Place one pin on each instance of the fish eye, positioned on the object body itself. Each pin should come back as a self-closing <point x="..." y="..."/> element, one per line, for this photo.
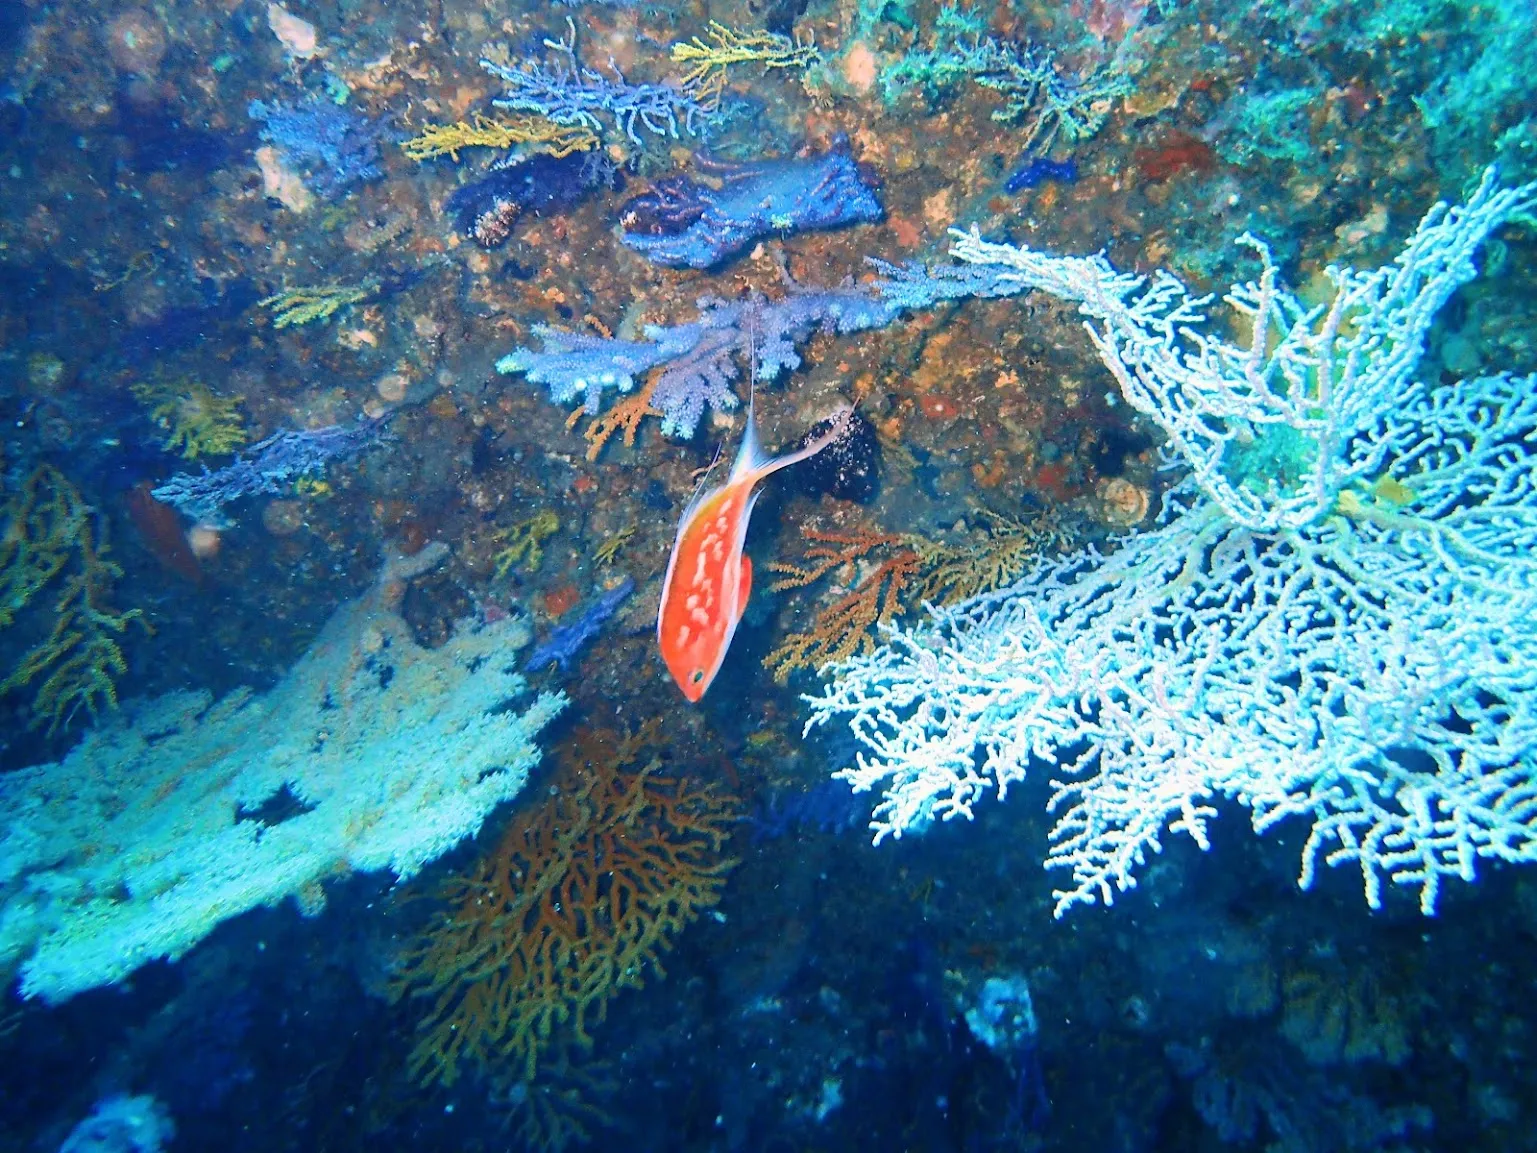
<point x="696" y="676"/>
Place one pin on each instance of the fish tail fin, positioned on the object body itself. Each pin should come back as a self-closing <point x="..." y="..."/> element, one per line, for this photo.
<point x="751" y="457"/>
<point x="754" y="459"/>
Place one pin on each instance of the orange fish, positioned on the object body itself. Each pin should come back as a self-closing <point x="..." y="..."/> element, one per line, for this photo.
<point x="708" y="577"/>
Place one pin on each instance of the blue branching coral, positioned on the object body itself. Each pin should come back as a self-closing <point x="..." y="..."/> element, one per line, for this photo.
<point x="563" y="645"/>
<point x="912" y="285"/>
<point x="270" y="466"/>
<point x="685" y="224"/>
<point x="568" y="92"/>
<point x="332" y="147"/>
<point x="698" y="359"/>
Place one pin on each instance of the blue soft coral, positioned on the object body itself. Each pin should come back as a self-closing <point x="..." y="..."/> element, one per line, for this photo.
<point x="685" y="224"/>
<point x="334" y="147"/>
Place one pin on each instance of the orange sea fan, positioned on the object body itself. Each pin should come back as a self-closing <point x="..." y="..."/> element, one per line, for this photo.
<point x="578" y="900"/>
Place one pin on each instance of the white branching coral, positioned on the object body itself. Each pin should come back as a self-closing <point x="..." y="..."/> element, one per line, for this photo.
<point x="1350" y="639"/>
<point x="181" y="812"/>
<point x="1264" y="425"/>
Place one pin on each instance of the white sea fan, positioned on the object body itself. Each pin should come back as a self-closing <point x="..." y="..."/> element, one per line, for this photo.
<point x="1353" y="642"/>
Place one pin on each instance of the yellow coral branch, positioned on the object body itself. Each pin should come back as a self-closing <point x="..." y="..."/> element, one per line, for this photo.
<point x="537" y="133"/>
<point x="705" y="78"/>
<point x="79" y="662"/>
<point x="524" y="542"/>
<point x="606" y="552"/>
<point x="48" y="528"/>
<point x="39" y="528"/>
<point x="197" y="422"/>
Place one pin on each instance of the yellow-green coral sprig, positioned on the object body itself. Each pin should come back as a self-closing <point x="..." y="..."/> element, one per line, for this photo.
<point x="608" y="551"/>
<point x="524" y="543"/>
<point x="953" y="572"/>
<point x="50" y="530"/>
<point x="196" y="421"/>
<point x="535" y="133"/>
<point x="708" y="62"/>
<point x="41" y="525"/>
<point x="80" y="660"/>
<point x="295" y="306"/>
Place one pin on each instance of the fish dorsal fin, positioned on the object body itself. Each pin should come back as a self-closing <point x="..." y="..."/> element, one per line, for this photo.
<point x="702" y="491"/>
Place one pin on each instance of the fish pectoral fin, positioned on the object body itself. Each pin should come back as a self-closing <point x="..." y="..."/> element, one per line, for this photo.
<point x="744" y="590"/>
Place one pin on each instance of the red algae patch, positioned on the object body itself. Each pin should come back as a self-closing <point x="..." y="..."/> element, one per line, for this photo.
<point x="559" y="601"/>
<point x="939" y="408"/>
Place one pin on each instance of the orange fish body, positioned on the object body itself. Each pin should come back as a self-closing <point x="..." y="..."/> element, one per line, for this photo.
<point x="709" y="578"/>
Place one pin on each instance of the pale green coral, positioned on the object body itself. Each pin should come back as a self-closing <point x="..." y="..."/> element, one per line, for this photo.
<point x="1466" y="64"/>
<point x="1054" y="105"/>
<point x="295" y="306"/>
<point x="1484" y="87"/>
<point x="1271" y="125"/>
